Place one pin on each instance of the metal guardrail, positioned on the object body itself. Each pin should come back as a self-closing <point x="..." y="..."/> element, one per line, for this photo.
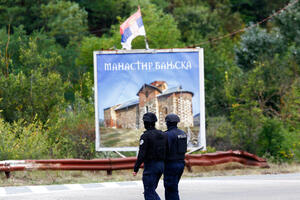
<point x="110" y="164"/>
<point x="210" y="159"/>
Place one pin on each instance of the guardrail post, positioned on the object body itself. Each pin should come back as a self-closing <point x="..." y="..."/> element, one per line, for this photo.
<point x="188" y="164"/>
<point x="7" y="174"/>
<point x="109" y="172"/>
<point x="189" y="168"/>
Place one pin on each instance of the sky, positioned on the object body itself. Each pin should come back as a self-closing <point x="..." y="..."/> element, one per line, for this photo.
<point x="119" y="84"/>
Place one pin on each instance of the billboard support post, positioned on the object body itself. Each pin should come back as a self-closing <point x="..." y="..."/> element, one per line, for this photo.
<point x="202" y="134"/>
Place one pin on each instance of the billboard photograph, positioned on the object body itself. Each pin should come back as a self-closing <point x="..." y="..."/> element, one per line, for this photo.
<point x="129" y="84"/>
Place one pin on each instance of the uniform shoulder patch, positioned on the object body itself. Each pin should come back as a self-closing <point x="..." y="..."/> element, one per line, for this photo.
<point x="141" y="142"/>
<point x="181" y="136"/>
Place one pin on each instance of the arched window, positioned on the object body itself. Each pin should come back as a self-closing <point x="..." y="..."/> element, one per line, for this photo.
<point x="147" y="94"/>
<point x="165" y="110"/>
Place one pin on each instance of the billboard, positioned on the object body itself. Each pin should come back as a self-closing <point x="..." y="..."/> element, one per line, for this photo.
<point x="130" y="83"/>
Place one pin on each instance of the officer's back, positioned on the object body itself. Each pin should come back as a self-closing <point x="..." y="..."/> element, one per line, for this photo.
<point x="155" y="145"/>
<point x="177" y="144"/>
<point x="152" y="152"/>
<point x="174" y="164"/>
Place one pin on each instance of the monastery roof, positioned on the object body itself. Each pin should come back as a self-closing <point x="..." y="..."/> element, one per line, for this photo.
<point x="129" y="103"/>
<point x="151" y="86"/>
<point x="135" y="101"/>
<point x="176" y="89"/>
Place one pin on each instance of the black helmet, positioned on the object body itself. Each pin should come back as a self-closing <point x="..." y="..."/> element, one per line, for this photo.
<point x="172" y="118"/>
<point x="149" y="117"/>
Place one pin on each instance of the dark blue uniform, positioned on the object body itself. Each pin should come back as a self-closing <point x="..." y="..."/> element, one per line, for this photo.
<point x="152" y="153"/>
<point x="174" y="164"/>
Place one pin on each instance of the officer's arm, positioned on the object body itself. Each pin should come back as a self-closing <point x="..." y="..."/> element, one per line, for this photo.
<point x="142" y="153"/>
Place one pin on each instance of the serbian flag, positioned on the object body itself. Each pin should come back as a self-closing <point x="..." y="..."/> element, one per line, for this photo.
<point x="132" y="28"/>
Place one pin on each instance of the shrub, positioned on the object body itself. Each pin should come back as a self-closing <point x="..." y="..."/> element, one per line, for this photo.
<point x="72" y="131"/>
<point x="22" y="140"/>
<point x="219" y="132"/>
<point x="275" y="142"/>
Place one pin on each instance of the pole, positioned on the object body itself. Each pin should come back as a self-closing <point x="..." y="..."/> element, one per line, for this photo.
<point x="146" y="43"/>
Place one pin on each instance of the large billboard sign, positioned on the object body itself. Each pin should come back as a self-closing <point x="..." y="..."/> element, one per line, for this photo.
<point x="130" y="83"/>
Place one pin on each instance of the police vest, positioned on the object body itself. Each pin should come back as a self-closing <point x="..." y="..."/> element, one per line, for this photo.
<point x="177" y="144"/>
<point x="157" y="148"/>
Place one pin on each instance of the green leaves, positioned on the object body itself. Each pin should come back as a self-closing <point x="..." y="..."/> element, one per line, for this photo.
<point x="33" y="58"/>
<point x="27" y="97"/>
<point x="265" y="109"/>
<point x="159" y="27"/>
<point x="65" y="21"/>
<point x="22" y="140"/>
<point x="258" y="45"/>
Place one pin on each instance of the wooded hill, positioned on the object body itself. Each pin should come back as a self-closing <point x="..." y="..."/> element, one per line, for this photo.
<point x="251" y="78"/>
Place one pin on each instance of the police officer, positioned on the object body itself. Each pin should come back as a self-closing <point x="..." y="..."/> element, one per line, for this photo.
<point x="174" y="164"/>
<point x="152" y="152"/>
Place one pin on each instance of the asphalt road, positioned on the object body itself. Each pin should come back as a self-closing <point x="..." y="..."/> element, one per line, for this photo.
<point x="260" y="187"/>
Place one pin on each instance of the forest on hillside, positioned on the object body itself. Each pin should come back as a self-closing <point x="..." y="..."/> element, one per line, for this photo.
<point x="252" y="82"/>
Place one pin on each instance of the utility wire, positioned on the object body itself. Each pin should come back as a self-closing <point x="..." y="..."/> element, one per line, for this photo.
<point x="209" y="40"/>
<point x="247" y="28"/>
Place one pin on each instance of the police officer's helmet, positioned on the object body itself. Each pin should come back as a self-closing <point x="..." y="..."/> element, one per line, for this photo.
<point x="172" y="118"/>
<point x="149" y="117"/>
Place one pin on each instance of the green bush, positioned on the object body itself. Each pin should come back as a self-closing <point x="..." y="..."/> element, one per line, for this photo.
<point x="72" y="131"/>
<point x="275" y="142"/>
<point x="218" y="133"/>
<point x="29" y="97"/>
<point x="22" y="140"/>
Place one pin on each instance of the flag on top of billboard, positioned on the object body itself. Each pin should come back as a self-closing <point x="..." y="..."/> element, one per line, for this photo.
<point x="132" y="28"/>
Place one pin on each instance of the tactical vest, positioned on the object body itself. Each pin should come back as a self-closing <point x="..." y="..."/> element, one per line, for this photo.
<point x="157" y="145"/>
<point x="178" y="145"/>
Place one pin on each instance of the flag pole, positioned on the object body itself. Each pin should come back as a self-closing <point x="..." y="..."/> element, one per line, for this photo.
<point x="146" y="42"/>
<point x="145" y="37"/>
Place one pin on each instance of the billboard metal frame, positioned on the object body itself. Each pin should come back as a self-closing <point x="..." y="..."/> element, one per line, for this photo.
<point x="201" y="136"/>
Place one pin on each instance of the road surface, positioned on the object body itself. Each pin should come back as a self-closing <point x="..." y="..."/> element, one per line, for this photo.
<point x="258" y="187"/>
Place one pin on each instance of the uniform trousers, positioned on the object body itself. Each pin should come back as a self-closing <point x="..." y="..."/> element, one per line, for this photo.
<point x="172" y="174"/>
<point x="153" y="170"/>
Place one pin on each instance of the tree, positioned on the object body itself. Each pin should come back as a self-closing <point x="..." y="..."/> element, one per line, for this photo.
<point x="10" y="44"/>
<point x="22" y="12"/>
<point x="289" y="23"/>
<point x="22" y="140"/>
<point x="219" y="62"/>
<point x="158" y="25"/>
<point x="198" y="21"/>
<point x="103" y="14"/>
<point x="35" y="96"/>
<point x="256" y="10"/>
<point x="266" y="85"/>
<point x="64" y="20"/>
<point x="247" y="120"/>
<point x="271" y="139"/>
<point x="258" y="45"/>
<point x="35" y="56"/>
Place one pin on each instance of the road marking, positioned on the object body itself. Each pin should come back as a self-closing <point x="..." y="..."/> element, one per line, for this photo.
<point x="38" y="189"/>
<point x="17" y="190"/>
<point x="110" y="184"/>
<point x="2" y="191"/>
<point x="23" y="190"/>
<point x="74" y="186"/>
<point x="56" y="187"/>
<point x="241" y="181"/>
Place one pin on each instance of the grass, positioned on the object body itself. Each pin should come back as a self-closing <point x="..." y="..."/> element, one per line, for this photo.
<point x="119" y="137"/>
<point x="81" y="177"/>
<point x="112" y="137"/>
